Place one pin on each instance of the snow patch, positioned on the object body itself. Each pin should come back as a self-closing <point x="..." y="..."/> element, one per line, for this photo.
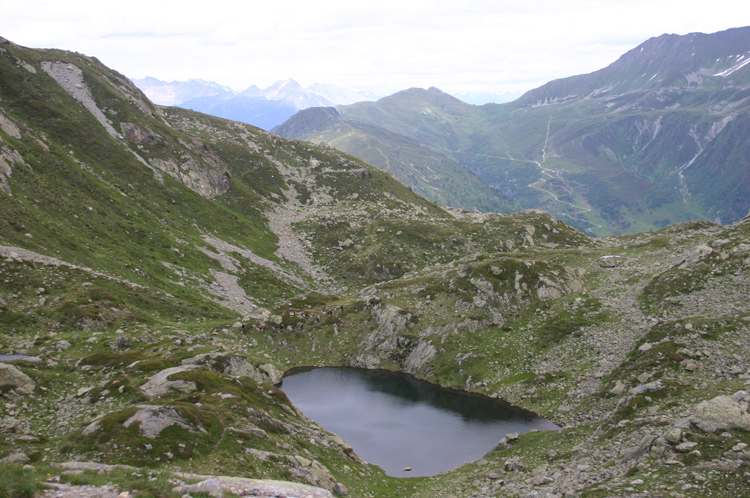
<point x="734" y="68"/>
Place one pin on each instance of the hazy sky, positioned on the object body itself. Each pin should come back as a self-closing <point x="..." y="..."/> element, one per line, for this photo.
<point x="383" y="46"/>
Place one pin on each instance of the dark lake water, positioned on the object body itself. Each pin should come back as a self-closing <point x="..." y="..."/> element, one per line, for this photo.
<point x="395" y="421"/>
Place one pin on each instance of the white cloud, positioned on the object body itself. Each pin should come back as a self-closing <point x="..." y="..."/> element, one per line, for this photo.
<point x="471" y="45"/>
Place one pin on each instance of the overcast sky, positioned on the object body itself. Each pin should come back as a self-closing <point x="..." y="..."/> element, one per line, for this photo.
<point x="383" y="46"/>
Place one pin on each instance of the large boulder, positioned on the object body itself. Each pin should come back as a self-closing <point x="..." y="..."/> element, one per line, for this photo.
<point x="15" y="459"/>
<point x="723" y="412"/>
<point x="422" y="354"/>
<point x="154" y="419"/>
<point x="159" y="384"/>
<point x="274" y="373"/>
<point x="10" y="375"/>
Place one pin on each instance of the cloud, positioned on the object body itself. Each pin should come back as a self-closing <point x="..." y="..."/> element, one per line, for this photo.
<point x="385" y="46"/>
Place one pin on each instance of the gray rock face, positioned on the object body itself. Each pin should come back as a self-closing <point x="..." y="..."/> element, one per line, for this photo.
<point x="382" y="343"/>
<point x="237" y="366"/>
<point x="159" y="384"/>
<point x="10" y="375"/>
<point x="198" y="177"/>
<point x="369" y="361"/>
<point x="154" y="419"/>
<point x="274" y="374"/>
<point x="424" y="353"/>
<point x="722" y="412"/>
<point x="137" y="136"/>
<point x="312" y="471"/>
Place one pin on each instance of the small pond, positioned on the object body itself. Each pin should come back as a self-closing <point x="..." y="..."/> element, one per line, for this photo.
<point x="396" y="421"/>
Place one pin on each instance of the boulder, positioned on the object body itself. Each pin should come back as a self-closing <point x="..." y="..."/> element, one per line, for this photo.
<point x="673" y="435"/>
<point x="10" y="375"/>
<point x="685" y="447"/>
<point x="722" y="412"/>
<point x="8" y="126"/>
<point x="424" y="353"/>
<point x="340" y="489"/>
<point x="312" y="471"/>
<point x="15" y="459"/>
<point x="63" y="345"/>
<point x="159" y="384"/>
<point x="10" y="425"/>
<point x="514" y="465"/>
<point x="274" y="374"/>
<point x="362" y="173"/>
<point x="369" y="361"/>
<point x="619" y="388"/>
<point x="154" y="419"/>
<point x="122" y="341"/>
<point x="137" y="136"/>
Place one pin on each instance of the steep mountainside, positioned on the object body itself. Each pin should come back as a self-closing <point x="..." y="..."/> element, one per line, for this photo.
<point x="143" y="248"/>
<point x="653" y="139"/>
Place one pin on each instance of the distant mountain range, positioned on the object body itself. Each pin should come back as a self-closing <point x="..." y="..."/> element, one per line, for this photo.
<point x="269" y="107"/>
<point x="657" y="137"/>
<point x="264" y="108"/>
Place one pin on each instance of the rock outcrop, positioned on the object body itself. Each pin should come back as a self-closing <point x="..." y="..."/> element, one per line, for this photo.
<point x="723" y="412"/>
<point x="159" y="384"/>
<point x="21" y="383"/>
<point x="198" y="177"/>
<point x="423" y="354"/>
<point x="154" y="419"/>
<point x="137" y="136"/>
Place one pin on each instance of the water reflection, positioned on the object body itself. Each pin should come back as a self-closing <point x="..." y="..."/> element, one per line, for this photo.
<point x="396" y="421"/>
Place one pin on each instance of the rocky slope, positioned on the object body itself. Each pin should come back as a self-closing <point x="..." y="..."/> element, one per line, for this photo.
<point x="144" y="247"/>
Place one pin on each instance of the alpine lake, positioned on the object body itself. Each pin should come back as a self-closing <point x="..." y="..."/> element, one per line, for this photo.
<point x="396" y="421"/>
